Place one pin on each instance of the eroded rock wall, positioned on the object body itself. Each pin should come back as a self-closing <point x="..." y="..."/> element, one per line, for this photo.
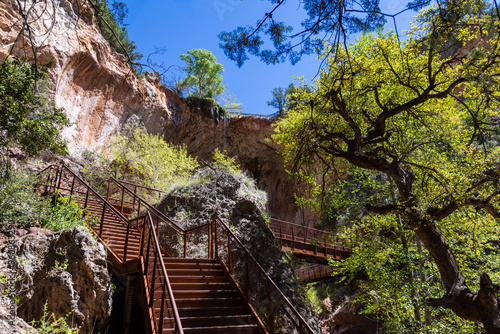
<point x="94" y="85"/>
<point x="100" y="94"/>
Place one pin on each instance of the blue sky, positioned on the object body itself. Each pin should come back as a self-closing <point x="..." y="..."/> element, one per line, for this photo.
<point x="181" y="25"/>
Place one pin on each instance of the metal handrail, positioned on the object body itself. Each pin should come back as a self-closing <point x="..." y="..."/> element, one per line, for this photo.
<point x="248" y="257"/>
<point x="323" y="235"/>
<point x="149" y="206"/>
<point x="177" y="318"/>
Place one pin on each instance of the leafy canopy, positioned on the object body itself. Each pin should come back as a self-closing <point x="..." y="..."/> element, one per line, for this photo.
<point x="137" y="156"/>
<point x="28" y="118"/>
<point x="335" y="19"/>
<point x="417" y="116"/>
<point x="204" y="77"/>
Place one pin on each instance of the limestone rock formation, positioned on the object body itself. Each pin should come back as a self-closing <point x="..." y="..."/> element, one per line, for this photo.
<point x="68" y="271"/>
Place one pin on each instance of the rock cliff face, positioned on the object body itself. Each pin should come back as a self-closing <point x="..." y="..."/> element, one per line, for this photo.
<point x="100" y="94"/>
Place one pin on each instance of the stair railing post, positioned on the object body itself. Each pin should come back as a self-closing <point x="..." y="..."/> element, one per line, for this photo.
<point x="293" y="239"/>
<point x="210" y="240"/>
<point x="148" y="250"/>
<point x="215" y="239"/>
<point x="107" y="192"/>
<point x="60" y="177"/>
<point x="126" y="242"/>
<point x="185" y="244"/>
<point x="72" y="185"/>
<point x="121" y="201"/>
<point x="86" y="198"/>
<point x="102" y="218"/>
<point x="141" y="247"/>
<point x="229" y="255"/>
<point x="305" y="235"/>
<point x="133" y="201"/>
<point x="162" y="308"/>
<point x="281" y="235"/>
<point x="152" y="293"/>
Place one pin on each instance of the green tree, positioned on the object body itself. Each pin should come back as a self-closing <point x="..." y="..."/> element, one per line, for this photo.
<point x="28" y="118"/>
<point x="203" y="73"/>
<point x="143" y="158"/>
<point x="286" y="99"/>
<point x="411" y="113"/>
<point x="110" y="20"/>
<point x="279" y="99"/>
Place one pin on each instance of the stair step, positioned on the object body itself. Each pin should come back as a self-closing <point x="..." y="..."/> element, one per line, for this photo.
<point x="217" y="320"/>
<point x="240" y="329"/>
<point x="200" y="285"/>
<point x="208" y="301"/>
<point x="214" y="310"/>
<point x="200" y="293"/>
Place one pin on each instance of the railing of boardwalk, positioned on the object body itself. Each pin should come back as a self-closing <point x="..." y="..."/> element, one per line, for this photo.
<point x="163" y="310"/>
<point x="276" y="312"/>
<point x="307" y="239"/>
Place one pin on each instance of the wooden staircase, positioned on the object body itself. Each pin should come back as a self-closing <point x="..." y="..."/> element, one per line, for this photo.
<point x="206" y="300"/>
<point x="183" y="295"/>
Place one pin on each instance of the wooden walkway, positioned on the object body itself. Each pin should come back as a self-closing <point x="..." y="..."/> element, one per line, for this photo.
<point x="223" y="291"/>
<point x="308" y="244"/>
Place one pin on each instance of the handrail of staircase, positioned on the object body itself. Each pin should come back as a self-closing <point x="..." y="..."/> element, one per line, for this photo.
<point x="141" y="186"/>
<point x="166" y="283"/>
<point x="273" y="290"/>
<point x="102" y="199"/>
<point x="149" y="206"/>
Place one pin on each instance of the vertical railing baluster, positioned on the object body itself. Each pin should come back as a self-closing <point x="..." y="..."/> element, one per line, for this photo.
<point x="126" y="243"/>
<point x="210" y="241"/>
<point x="72" y="185"/>
<point x="229" y="255"/>
<point x="162" y="308"/>
<point x="107" y="192"/>
<point x="148" y="249"/>
<point x="215" y="239"/>
<point x="185" y="244"/>
<point x="121" y="201"/>
<point x="102" y="218"/>
<point x="152" y="293"/>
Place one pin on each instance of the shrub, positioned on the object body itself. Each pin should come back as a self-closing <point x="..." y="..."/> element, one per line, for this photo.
<point x="19" y="203"/>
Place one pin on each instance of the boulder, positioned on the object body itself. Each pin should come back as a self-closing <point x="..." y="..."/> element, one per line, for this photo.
<point x="67" y="270"/>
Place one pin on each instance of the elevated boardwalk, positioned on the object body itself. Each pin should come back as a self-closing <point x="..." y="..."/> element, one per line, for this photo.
<point x="308" y="244"/>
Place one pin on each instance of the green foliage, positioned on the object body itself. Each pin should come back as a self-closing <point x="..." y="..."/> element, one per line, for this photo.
<point x="48" y="324"/>
<point x="137" y="156"/>
<point x="203" y="73"/>
<point x="390" y="140"/>
<point x="28" y="118"/>
<point x="65" y="214"/>
<point x="324" y="19"/>
<point x="19" y="203"/>
<point x="114" y="16"/>
<point x="398" y="280"/>
<point x="286" y="99"/>
<point x="222" y="160"/>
